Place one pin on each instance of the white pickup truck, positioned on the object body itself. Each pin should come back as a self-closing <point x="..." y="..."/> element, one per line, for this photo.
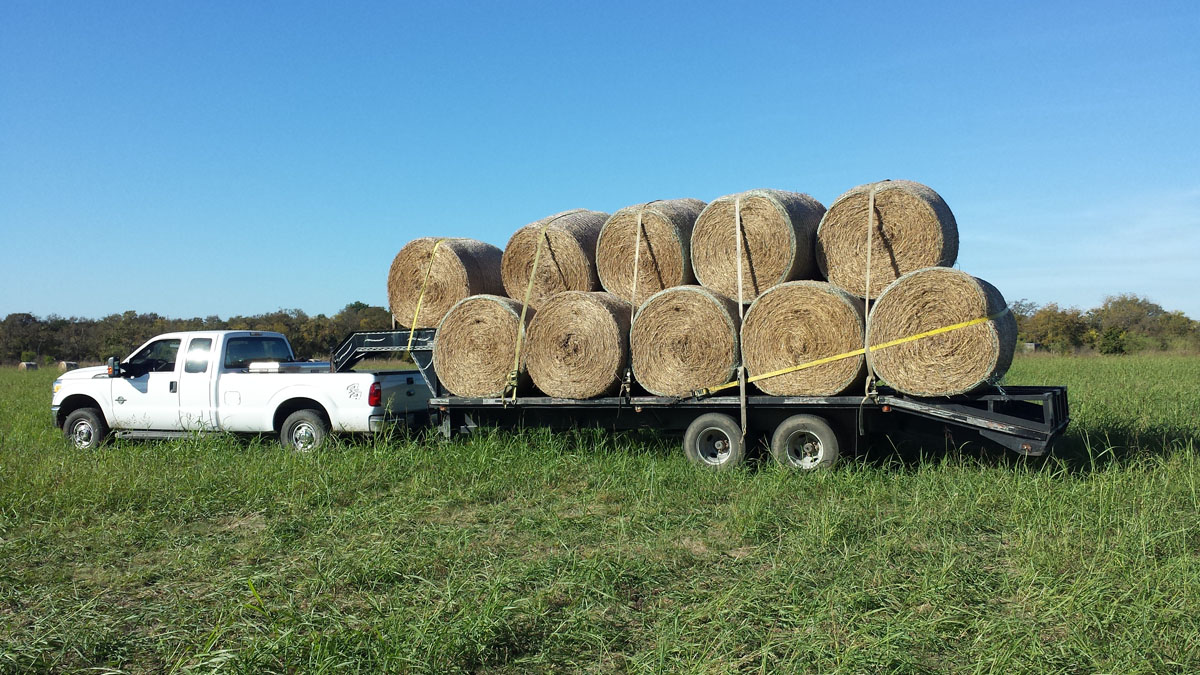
<point x="231" y="381"/>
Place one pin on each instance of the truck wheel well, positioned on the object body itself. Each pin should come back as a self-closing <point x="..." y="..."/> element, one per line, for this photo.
<point x="72" y="403"/>
<point x="292" y="405"/>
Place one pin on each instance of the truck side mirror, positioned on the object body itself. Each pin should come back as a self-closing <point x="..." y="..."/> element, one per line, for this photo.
<point x="114" y="367"/>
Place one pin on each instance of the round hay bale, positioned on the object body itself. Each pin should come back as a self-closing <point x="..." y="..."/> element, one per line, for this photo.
<point x="476" y="343"/>
<point x="913" y="229"/>
<point x="683" y="339"/>
<point x="661" y="250"/>
<point x="27" y="365"/>
<point x="64" y="366"/>
<point x="578" y="344"/>
<point x="954" y="362"/>
<point x="798" y="322"/>
<point x="460" y="268"/>
<point x="567" y="261"/>
<point x="777" y="241"/>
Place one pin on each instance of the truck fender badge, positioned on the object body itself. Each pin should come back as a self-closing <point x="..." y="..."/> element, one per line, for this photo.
<point x="121" y="400"/>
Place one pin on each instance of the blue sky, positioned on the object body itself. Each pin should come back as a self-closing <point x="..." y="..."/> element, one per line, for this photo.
<point x="236" y="158"/>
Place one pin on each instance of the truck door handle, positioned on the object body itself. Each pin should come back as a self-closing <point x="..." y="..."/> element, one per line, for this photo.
<point x="174" y="387"/>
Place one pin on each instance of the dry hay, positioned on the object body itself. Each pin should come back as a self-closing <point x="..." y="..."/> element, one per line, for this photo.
<point x="460" y="268"/>
<point x="913" y="229"/>
<point x="578" y="344"/>
<point x="685" y="338"/>
<point x="64" y="366"/>
<point x="949" y="363"/>
<point x="27" y="365"/>
<point x="567" y="261"/>
<point x="778" y="229"/>
<point x="476" y="344"/>
<point x="661" y="251"/>
<point x="798" y="322"/>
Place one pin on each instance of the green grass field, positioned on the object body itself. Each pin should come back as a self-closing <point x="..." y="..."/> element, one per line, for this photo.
<point x="596" y="552"/>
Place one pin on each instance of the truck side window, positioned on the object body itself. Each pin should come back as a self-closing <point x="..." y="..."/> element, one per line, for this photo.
<point x="240" y="352"/>
<point x="197" y="355"/>
<point x="157" y="357"/>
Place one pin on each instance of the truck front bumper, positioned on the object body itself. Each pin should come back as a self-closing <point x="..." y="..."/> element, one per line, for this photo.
<point x="54" y="414"/>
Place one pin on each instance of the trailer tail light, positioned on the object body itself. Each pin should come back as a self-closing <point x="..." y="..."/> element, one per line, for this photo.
<point x="375" y="396"/>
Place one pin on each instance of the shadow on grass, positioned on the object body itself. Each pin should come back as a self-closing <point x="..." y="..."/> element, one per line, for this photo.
<point x="1080" y="450"/>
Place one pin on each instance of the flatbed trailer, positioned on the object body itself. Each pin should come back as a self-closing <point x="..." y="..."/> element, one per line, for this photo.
<point x="804" y="432"/>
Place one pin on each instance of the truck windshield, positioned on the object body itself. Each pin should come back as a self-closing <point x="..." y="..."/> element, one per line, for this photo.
<point x="240" y="352"/>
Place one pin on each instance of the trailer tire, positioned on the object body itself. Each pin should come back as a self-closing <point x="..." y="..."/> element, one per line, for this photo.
<point x="714" y="441"/>
<point x="805" y="442"/>
<point x="85" y="428"/>
<point x="304" y="431"/>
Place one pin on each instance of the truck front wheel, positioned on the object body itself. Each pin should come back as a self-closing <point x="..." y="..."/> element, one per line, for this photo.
<point x="85" y="428"/>
<point x="304" y="431"/>
<point x="714" y="441"/>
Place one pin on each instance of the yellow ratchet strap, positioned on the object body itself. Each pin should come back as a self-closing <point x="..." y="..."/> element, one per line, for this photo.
<point x="857" y="352"/>
<point x="421" y="298"/>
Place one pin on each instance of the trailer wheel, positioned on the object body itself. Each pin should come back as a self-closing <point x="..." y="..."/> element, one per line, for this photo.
<point x="304" y="431"/>
<point x="805" y="442"/>
<point x="85" y="428"/>
<point x="714" y="441"/>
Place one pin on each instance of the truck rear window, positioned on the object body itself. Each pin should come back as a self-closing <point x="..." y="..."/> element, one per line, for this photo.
<point x="240" y="352"/>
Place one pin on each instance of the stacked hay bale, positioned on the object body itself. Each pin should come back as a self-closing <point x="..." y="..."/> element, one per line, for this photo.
<point x="564" y="248"/>
<point x="776" y="230"/>
<point x="912" y="228"/>
<point x="678" y="337"/>
<point x="435" y="273"/>
<point x="952" y="362"/>
<point x="645" y="248"/>
<point x="683" y="339"/>
<point x="475" y="347"/>
<point x="578" y="344"/>
<point x="801" y="322"/>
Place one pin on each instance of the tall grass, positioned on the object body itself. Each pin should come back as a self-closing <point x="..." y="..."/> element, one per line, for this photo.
<point x="599" y="552"/>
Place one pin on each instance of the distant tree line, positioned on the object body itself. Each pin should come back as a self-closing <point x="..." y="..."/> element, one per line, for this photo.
<point x="1124" y="324"/>
<point x="25" y="337"/>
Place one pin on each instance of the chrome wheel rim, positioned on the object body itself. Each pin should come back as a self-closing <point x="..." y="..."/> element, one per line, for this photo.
<point x="804" y="450"/>
<point x="304" y="437"/>
<point x="713" y="446"/>
<point x="82" y="434"/>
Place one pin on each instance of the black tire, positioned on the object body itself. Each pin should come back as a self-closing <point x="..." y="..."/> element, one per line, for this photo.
<point x="304" y="431"/>
<point x="85" y="429"/>
<point x="805" y="442"/>
<point x="714" y="441"/>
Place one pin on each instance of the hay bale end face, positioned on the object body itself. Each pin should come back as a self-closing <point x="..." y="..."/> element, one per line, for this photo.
<point x="578" y="344"/>
<point x="949" y="363"/>
<point x="683" y="339"/>
<point x="778" y="228"/>
<point x="799" y="322"/>
<point x="661" y="249"/>
<point x="476" y="344"/>
<point x="459" y="268"/>
<point x="567" y="261"/>
<point x="914" y="229"/>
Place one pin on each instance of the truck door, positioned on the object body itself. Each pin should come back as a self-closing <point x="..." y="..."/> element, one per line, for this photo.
<point x="196" y="386"/>
<point x="149" y="399"/>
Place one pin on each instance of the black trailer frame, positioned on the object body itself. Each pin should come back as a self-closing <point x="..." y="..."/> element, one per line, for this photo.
<point x="1024" y="419"/>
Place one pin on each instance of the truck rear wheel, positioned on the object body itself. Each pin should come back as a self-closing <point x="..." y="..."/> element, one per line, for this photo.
<point x="85" y="428"/>
<point x="805" y="442"/>
<point x="714" y="441"/>
<point x="304" y="431"/>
